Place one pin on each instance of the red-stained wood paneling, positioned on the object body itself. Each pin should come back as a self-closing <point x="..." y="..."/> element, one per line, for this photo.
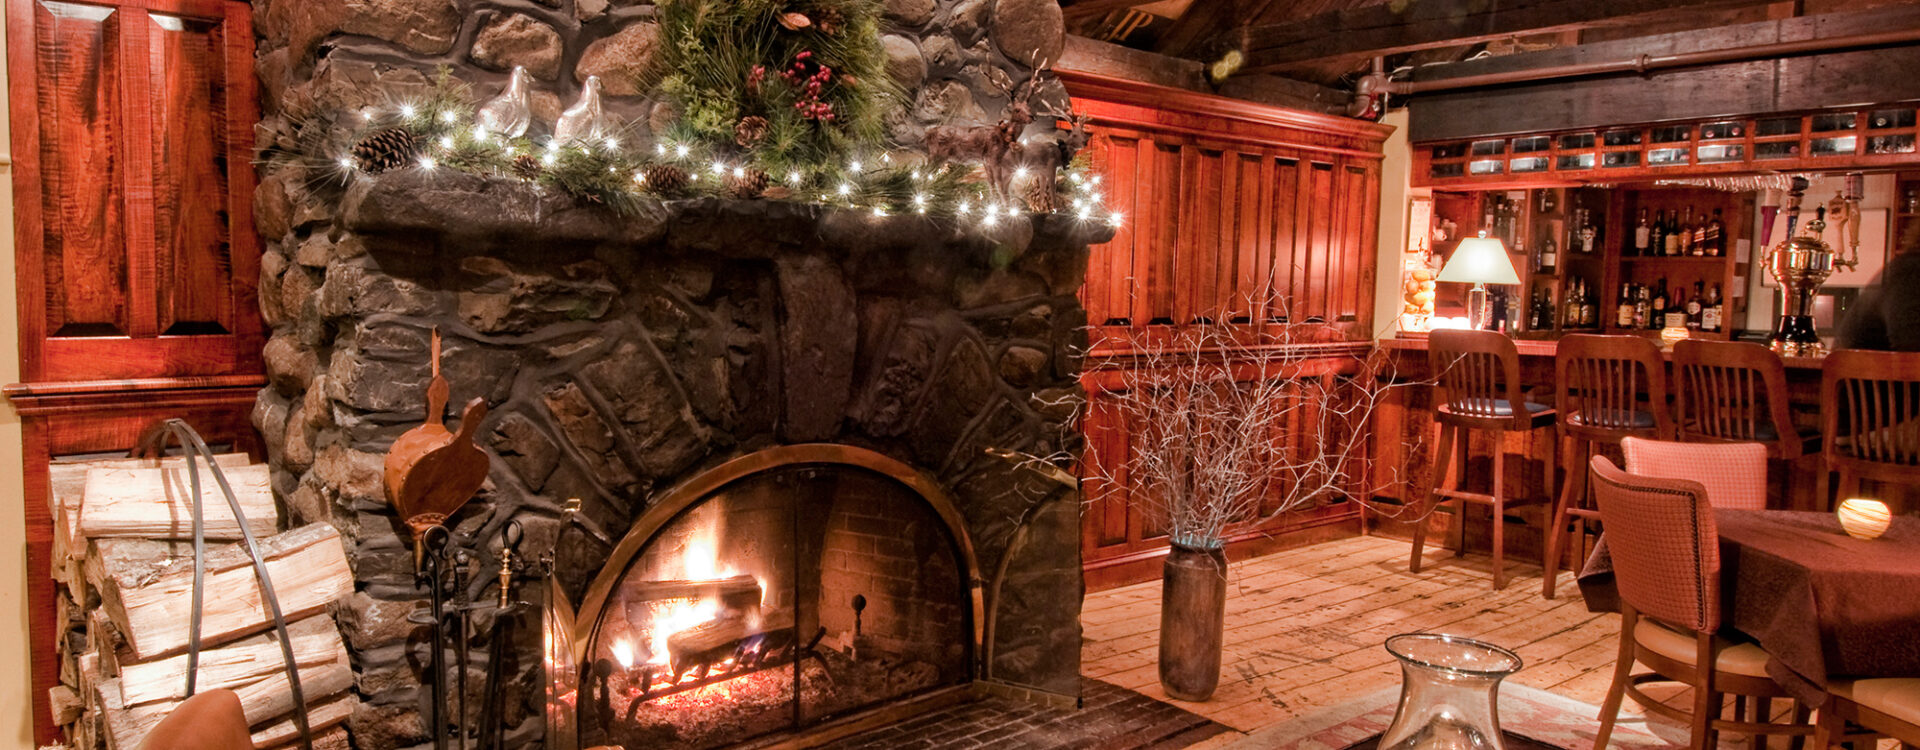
<point x="1233" y="211"/>
<point x="135" y="253"/>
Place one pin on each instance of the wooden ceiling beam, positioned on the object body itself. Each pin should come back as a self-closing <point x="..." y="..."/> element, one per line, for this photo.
<point x="1079" y="10"/>
<point x="1372" y="30"/>
<point x="1199" y="30"/>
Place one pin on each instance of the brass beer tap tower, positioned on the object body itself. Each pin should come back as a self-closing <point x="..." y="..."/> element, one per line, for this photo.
<point x="1801" y="264"/>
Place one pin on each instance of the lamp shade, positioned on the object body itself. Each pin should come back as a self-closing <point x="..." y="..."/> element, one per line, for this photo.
<point x="1479" y="260"/>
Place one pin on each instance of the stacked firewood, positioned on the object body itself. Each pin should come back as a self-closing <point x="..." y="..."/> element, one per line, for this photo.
<point x="123" y="568"/>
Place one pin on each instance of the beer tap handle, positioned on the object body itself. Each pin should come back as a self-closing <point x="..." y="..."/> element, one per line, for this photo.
<point x="1793" y="204"/>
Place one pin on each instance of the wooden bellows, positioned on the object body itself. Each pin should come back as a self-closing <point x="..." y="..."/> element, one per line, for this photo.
<point x="431" y="471"/>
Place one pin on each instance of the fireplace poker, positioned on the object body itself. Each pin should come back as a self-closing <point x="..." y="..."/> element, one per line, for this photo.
<point x="495" y="736"/>
<point x="433" y="543"/>
<point x="463" y="568"/>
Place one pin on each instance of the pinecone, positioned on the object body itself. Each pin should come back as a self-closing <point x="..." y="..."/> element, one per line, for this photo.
<point x="829" y="21"/>
<point x="750" y="184"/>
<point x="665" y="178"/>
<point x="1043" y="196"/>
<point x="749" y="131"/>
<point x="382" y="150"/>
<point x="526" y="167"/>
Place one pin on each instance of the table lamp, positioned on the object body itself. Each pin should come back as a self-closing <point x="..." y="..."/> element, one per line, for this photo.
<point x="1479" y="261"/>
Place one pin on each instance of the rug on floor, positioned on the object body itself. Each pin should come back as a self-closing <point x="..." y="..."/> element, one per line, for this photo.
<point x="1110" y="717"/>
<point x="1529" y="712"/>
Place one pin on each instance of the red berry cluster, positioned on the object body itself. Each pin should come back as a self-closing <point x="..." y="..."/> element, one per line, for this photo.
<point x="755" y="77"/>
<point x="810" y="78"/>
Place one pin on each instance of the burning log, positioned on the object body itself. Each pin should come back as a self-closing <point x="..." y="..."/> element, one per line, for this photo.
<point x="698" y="648"/>
<point x="737" y="592"/>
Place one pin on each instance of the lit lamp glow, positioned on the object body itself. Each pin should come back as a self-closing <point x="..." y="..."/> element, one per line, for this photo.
<point x="1479" y="261"/>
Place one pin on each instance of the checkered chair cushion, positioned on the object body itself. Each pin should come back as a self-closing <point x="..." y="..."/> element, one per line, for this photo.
<point x="1735" y="474"/>
<point x="1664" y="547"/>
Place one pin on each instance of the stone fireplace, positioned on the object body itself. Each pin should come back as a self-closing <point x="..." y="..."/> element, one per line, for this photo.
<point x="792" y="429"/>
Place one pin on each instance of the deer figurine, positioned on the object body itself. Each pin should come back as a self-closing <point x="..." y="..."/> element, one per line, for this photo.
<point x="994" y="147"/>
<point x="1045" y="157"/>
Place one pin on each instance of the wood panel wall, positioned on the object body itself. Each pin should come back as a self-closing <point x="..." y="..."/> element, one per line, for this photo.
<point x="135" y="254"/>
<point x="1233" y="212"/>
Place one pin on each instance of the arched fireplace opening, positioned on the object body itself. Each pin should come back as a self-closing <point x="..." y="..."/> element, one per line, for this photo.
<point x="776" y="592"/>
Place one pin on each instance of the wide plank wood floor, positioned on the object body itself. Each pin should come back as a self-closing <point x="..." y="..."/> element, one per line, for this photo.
<point x="1305" y="628"/>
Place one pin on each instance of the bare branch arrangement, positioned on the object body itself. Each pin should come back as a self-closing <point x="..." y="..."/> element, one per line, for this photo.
<point x="1231" y="425"/>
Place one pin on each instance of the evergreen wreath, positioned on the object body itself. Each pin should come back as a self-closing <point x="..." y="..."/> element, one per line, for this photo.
<point x="789" y="83"/>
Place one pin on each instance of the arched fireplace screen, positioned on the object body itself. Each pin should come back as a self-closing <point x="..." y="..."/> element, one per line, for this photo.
<point x="775" y="592"/>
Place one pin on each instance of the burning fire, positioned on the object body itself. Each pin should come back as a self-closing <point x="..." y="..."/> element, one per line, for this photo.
<point x="699" y="560"/>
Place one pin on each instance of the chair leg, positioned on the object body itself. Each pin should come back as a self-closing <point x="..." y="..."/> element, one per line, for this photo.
<point x="1557" y="532"/>
<point x="1549" y="482"/>
<point x="1706" y="700"/>
<point x="1424" y="515"/>
<point x="1825" y="728"/>
<point x="1622" y="672"/>
<point x="1499" y="511"/>
<point x="1462" y="451"/>
<point x="1801" y="712"/>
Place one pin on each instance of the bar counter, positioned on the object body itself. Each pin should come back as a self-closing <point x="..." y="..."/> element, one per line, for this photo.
<point x="1404" y="430"/>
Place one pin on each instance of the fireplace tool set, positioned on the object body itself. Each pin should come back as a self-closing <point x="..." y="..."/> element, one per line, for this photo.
<point x="430" y="472"/>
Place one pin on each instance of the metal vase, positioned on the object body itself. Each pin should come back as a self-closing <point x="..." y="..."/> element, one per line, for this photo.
<point x="1193" y="613"/>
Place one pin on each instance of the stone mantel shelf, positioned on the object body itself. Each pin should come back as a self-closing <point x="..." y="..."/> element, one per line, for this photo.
<point x="467" y="208"/>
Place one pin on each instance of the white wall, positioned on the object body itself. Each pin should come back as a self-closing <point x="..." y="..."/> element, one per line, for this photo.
<point x="1396" y="174"/>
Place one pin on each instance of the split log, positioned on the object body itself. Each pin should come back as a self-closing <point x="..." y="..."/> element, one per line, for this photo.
<point x="320" y="718"/>
<point x="146" y="587"/>
<point x="265" y="699"/>
<point x="65" y="704"/>
<point x="332" y="739"/>
<point x="157" y="503"/>
<point x="68" y="482"/>
<point x="316" y="642"/>
<point x="724" y="589"/>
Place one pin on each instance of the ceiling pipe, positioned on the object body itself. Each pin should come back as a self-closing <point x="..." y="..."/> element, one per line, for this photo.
<point x="1645" y="63"/>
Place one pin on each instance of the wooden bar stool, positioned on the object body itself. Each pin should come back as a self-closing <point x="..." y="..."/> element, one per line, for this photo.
<point x="1478" y="373"/>
<point x="1610" y="388"/>
<point x="1870" y="419"/>
<point x="1735" y="392"/>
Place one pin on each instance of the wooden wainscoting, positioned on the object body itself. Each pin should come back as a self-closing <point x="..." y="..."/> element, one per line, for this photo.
<point x="136" y="259"/>
<point x="1234" y="212"/>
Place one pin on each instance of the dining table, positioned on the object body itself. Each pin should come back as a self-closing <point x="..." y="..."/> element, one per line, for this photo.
<point x="1824" y="605"/>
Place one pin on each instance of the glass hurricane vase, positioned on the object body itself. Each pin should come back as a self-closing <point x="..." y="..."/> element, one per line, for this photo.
<point x="1449" y="693"/>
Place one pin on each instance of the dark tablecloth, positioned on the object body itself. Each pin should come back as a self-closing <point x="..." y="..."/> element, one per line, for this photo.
<point x="1822" y="603"/>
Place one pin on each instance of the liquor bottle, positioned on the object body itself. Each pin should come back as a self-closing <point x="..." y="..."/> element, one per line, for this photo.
<point x="1654" y="316"/>
<point x="1686" y="233"/>
<point x="1676" y="316"/>
<point x="1700" y="234"/>
<point x="1697" y="308"/>
<point x="1589" y="309"/>
<point x="1642" y="306"/>
<point x="1623" y="313"/>
<point x="1658" y="246"/>
<point x="1549" y="256"/>
<point x="1673" y="233"/>
<point x="1641" y="234"/>
<point x="1571" y="319"/>
<point x="1547" y="203"/>
<point x="1711" y="319"/>
<point x="1716" y="235"/>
